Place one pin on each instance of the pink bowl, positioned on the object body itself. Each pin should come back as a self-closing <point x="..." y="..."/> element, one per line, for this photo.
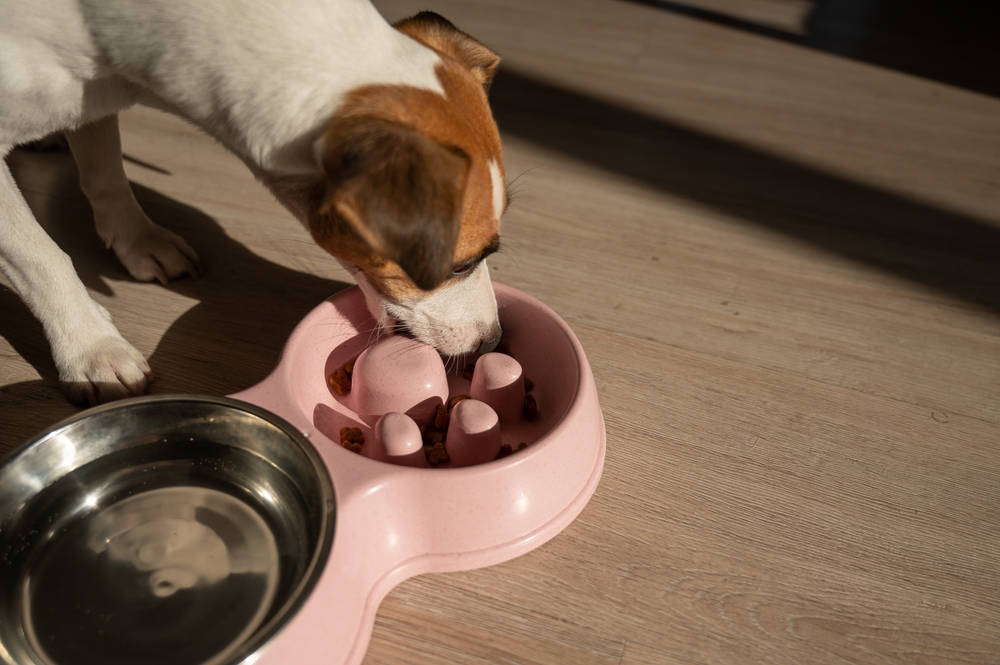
<point x="397" y="441"/>
<point x="499" y="381"/>
<point x="396" y="521"/>
<point x="398" y="374"/>
<point x="474" y="435"/>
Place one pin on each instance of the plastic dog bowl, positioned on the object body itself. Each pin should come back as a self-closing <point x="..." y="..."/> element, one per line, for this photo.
<point x="393" y="520"/>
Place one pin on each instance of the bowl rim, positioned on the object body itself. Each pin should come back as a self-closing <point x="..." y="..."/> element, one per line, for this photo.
<point x="266" y="634"/>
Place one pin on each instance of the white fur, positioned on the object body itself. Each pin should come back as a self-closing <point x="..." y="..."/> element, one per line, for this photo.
<point x="456" y="320"/>
<point x="261" y="77"/>
<point x="498" y="189"/>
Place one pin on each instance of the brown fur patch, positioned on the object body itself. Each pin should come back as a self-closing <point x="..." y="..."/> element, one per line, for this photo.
<point x="457" y="124"/>
<point x="438" y="33"/>
<point x="401" y="192"/>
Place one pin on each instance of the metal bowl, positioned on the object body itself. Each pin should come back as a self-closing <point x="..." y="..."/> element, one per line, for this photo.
<point x="165" y="530"/>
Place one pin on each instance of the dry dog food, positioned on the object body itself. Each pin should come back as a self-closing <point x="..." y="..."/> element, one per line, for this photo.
<point x="437" y="433"/>
<point x="530" y="407"/>
<point x="436" y="454"/>
<point x="352" y="438"/>
<point x="341" y="379"/>
<point x="506" y="450"/>
<point x="434" y="435"/>
<point x="455" y="400"/>
<point x="442" y="417"/>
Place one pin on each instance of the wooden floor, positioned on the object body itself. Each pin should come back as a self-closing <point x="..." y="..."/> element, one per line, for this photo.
<point x="784" y="264"/>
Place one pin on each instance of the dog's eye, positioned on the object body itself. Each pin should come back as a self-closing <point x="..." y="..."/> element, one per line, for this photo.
<point x="463" y="268"/>
<point x="467" y="266"/>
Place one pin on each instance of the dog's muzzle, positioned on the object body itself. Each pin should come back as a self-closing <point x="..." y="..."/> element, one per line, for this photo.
<point x="490" y="343"/>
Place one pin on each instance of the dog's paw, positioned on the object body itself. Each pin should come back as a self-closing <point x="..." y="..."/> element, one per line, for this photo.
<point x="156" y="253"/>
<point x="111" y="369"/>
<point x="97" y="365"/>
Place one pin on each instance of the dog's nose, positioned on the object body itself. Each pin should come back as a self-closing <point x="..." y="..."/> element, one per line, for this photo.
<point x="491" y="342"/>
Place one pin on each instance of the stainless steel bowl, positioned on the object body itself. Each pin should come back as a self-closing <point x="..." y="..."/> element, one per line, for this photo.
<point x="164" y="530"/>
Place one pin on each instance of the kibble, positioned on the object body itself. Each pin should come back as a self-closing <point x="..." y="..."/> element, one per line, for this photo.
<point x="352" y="438"/>
<point x="455" y="400"/>
<point x="436" y="454"/>
<point x="433" y="434"/>
<point x="506" y="450"/>
<point x="441" y="417"/>
<point x="530" y="408"/>
<point x="352" y="435"/>
<point x="341" y="379"/>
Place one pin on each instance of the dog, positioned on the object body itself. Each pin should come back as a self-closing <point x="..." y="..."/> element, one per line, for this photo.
<point x="377" y="137"/>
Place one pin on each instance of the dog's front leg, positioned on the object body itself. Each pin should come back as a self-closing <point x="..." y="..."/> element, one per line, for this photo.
<point x="95" y="363"/>
<point x="147" y="250"/>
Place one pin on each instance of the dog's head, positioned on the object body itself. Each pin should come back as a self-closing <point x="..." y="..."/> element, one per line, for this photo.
<point x="414" y="192"/>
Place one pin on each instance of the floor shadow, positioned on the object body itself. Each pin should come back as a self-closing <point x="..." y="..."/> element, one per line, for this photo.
<point x="952" y="253"/>
<point x="228" y="341"/>
<point x="247" y="305"/>
<point x="949" y="42"/>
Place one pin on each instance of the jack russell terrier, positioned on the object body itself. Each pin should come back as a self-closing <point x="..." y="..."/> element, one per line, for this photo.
<point x="377" y="137"/>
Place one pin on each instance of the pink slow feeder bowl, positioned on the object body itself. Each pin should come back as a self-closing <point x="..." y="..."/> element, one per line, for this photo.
<point x="394" y="521"/>
<point x="201" y="530"/>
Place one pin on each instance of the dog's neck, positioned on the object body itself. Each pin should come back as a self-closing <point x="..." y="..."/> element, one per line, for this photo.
<point x="306" y="100"/>
<point x="273" y="109"/>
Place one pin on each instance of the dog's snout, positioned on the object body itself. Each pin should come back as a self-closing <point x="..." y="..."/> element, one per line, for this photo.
<point x="492" y="341"/>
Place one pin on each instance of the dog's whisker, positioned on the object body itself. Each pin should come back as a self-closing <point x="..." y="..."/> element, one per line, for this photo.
<point x="522" y="174"/>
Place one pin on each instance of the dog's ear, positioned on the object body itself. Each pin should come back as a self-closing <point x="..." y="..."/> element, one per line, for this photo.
<point x="438" y="33"/>
<point x="401" y="192"/>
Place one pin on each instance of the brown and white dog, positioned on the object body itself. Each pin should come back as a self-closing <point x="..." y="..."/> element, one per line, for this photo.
<point x="378" y="138"/>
